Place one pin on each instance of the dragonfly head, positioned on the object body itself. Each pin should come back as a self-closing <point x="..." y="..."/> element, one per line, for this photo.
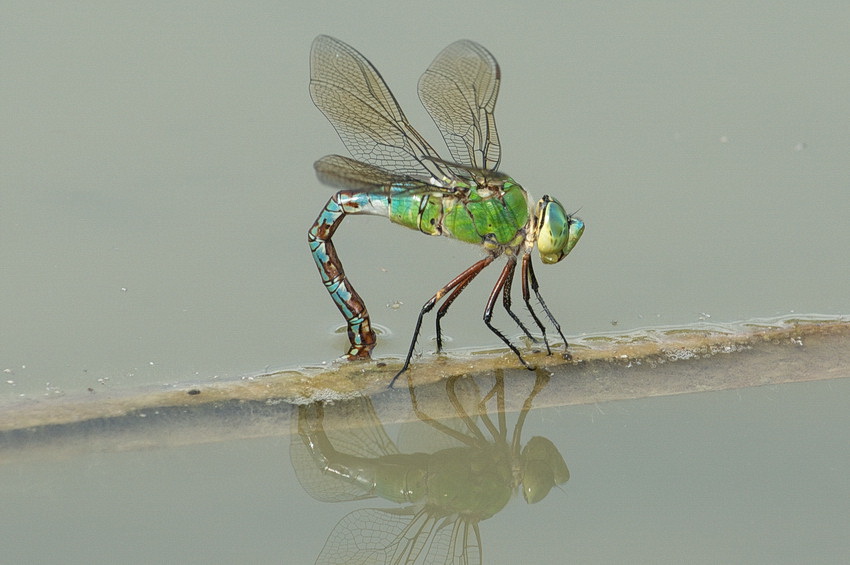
<point x="543" y="468"/>
<point x="557" y="231"/>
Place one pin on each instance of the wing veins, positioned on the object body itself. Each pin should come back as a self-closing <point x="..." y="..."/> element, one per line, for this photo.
<point x="354" y="97"/>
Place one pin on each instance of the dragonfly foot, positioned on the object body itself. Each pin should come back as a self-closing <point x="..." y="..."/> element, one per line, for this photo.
<point x="526" y="364"/>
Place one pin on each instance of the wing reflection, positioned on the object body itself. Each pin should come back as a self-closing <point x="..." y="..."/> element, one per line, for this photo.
<point x="452" y="474"/>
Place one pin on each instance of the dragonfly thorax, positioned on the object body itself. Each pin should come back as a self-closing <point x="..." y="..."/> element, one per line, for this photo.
<point x="495" y="216"/>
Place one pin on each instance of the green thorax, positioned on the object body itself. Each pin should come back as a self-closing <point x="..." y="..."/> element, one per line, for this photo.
<point x="494" y="215"/>
<point x="476" y="483"/>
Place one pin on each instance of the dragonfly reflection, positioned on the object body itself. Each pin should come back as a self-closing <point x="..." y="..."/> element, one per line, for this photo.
<point x="469" y="473"/>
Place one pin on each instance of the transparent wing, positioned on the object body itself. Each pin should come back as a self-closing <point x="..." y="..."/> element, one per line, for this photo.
<point x="402" y="536"/>
<point x="341" y="172"/>
<point x="459" y="90"/>
<point x="352" y="95"/>
<point x="351" y="427"/>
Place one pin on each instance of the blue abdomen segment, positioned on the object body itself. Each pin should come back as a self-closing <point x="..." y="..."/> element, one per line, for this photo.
<point x="361" y="336"/>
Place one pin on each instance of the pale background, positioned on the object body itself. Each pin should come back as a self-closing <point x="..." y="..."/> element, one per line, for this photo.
<point x="157" y="184"/>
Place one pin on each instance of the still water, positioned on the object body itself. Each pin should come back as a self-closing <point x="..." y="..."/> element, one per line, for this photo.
<point x="742" y="476"/>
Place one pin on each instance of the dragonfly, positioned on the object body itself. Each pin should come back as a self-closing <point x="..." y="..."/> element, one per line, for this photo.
<point x="447" y="474"/>
<point x="397" y="174"/>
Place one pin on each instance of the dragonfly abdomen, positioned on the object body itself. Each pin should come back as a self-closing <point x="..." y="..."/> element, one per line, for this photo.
<point x="422" y="212"/>
<point x="360" y="333"/>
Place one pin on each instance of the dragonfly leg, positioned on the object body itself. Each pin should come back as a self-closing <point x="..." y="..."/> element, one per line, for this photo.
<point x="461" y="280"/>
<point x="436" y="424"/>
<point x="488" y="310"/>
<point x="360" y="332"/>
<point x="528" y="277"/>
<point x="465" y="278"/>
<point x="539" y="384"/>
<point x="461" y="412"/>
<point x="526" y="297"/>
<point x="506" y="302"/>
<point x="498" y="390"/>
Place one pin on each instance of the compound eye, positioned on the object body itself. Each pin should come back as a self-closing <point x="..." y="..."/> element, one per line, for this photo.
<point x="559" y="232"/>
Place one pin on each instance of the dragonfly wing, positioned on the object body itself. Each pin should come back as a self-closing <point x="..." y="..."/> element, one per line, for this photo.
<point x="322" y="486"/>
<point x="352" y="427"/>
<point x="341" y="172"/>
<point x="459" y="90"/>
<point x="402" y="535"/>
<point x="354" y="97"/>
